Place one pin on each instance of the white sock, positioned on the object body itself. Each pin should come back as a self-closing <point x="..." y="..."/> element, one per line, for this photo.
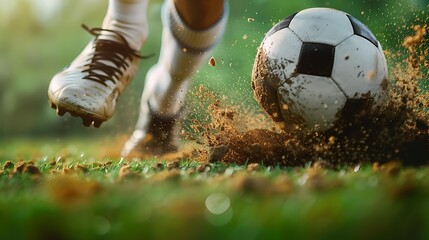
<point x="183" y="51"/>
<point x="128" y="17"/>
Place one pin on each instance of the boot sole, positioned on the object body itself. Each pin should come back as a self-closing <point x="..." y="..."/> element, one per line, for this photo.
<point x="88" y="118"/>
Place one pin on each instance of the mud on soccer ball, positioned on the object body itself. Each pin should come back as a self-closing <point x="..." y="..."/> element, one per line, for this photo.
<point x="316" y="67"/>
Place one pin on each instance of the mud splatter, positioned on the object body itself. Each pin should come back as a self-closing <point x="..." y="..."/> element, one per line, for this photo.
<point x="212" y="62"/>
<point x="397" y="132"/>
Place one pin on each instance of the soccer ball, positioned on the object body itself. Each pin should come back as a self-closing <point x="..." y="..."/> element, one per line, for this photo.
<point x="316" y="67"/>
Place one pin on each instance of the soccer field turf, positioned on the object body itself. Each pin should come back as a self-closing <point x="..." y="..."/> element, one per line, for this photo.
<point x="67" y="190"/>
<point x="61" y="181"/>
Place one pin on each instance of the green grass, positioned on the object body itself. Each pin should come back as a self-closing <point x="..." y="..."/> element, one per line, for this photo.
<point x="82" y="194"/>
<point x="79" y="195"/>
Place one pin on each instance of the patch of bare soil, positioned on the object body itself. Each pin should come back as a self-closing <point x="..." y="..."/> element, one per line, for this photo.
<point x="73" y="190"/>
<point x="397" y="132"/>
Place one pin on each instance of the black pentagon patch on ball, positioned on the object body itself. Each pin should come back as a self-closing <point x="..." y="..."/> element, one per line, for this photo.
<point x="361" y="30"/>
<point x="280" y="25"/>
<point x="316" y="59"/>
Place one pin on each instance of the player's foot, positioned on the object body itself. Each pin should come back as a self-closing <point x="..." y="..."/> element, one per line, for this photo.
<point x="167" y="82"/>
<point x="155" y="134"/>
<point x="90" y="86"/>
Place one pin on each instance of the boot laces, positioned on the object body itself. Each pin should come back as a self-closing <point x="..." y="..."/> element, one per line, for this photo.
<point x="110" y="58"/>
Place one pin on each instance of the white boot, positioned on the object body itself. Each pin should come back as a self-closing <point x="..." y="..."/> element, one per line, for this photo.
<point x="183" y="51"/>
<point x="90" y="86"/>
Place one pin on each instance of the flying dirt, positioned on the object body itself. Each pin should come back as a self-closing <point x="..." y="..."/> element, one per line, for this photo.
<point x="398" y="132"/>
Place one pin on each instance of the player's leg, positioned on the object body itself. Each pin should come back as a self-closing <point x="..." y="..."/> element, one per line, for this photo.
<point x="191" y="29"/>
<point x="90" y="86"/>
<point x="200" y="15"/>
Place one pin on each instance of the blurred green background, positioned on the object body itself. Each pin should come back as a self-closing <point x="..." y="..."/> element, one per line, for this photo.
<point x="40" y="37"/>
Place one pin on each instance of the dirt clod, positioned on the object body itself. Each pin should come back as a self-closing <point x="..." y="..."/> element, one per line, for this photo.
<point x="173" y="165"/>
<point x="391" y="169"/>
<point x="253" y="167"/>
<point x="8" y="165"/>
<point x="212" y="62"/>
<point x="32" y="170"/>
<point x="159" y="166"/>
<point x="19" y="167"/>
<point x="82" y="168"/>
<point x="251" y="184"/>
<point x="217" y="153"/>
<point x="204" y="168"/>
<point x="166" y="176"/>
<point x="126" y="173"/>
